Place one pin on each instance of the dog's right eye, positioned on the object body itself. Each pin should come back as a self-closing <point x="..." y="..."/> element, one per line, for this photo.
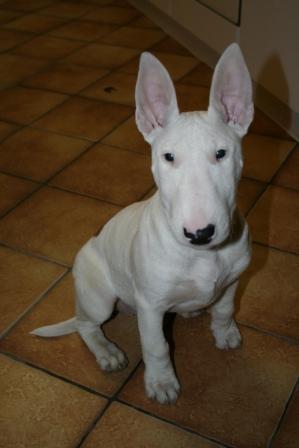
<point x="169" y="157"/>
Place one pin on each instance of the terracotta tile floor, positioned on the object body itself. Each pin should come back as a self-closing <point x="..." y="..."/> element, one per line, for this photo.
<point x="70" y="158"/>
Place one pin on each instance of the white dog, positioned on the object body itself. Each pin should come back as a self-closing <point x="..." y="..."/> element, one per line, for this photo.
<point x="183" y="249"/>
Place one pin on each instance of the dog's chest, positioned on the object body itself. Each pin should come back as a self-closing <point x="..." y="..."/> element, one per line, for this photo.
<point x="198" y="288"/>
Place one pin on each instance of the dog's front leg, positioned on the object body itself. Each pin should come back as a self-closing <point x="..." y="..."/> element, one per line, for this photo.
<point x="223" y="326"/>
<point x="161" y="383"/>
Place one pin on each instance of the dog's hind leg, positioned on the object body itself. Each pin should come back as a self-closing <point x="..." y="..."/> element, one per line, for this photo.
<point x="95" y="303"/>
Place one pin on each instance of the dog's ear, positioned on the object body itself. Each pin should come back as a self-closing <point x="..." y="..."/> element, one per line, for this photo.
<point x="156" y="103"/>
<point x="231" y="91"/>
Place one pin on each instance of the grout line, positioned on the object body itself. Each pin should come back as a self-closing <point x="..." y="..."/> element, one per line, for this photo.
<point x="129" y="377"/>
<point x="86" y="195"/>
<point x="267" y="246"/>
<point x="92" y="425"/>
<point x="53" y="374"/>
<point x="34" y="254"/>
<point x="111" y="400"/>
<point x="175" y="424"/>
<point x="283" y="414"/>
<point x="289" y="340"/>
<point x="51" y="286"/>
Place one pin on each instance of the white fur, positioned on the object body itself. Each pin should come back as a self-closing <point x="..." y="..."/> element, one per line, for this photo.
<point x="142" y="255"/>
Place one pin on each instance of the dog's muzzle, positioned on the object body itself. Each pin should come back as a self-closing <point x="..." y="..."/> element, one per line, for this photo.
<point x="201" y="236"/>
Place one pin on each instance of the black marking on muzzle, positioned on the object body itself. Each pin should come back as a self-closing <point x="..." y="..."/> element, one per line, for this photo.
<point x="202" y="236"/>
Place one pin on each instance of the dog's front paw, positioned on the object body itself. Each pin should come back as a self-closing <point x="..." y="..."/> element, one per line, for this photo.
<point x="227" y="338"/>
<point x="163" y="388"/>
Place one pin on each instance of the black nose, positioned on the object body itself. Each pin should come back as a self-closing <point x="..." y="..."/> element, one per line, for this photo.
<point x="201" y="236"/>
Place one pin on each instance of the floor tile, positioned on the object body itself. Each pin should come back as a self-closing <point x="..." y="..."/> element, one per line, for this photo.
<point x="127" y="136"/>
<point x="112" y="14"/>
<point x="112" y="174"/>
<point x="13" y="190"/>
<point x="248" y="192"/>
<point x="127" y="36"/>
<point x="42" y="223"/>
<point x="288" y="175"/>
<point x="14" y="68"/>
<point x="34" y="104"/>
<point x="268" y="293"/>
<point x="143" y="22"/>
<point x="37" y="154"/>
<point x="177" y="65"/>
<point x="83" y="30"/>
<point x="288" y="434"/>
<point x="34" y="23"/>
<point x="48" y="47"/>
<point x="64" y="78"/>
<point x="170" y="45"/>
<point x="39" y="410"/>
<point x="200" y="76"/>
<point x="86" y="118"/>
<point x="192" y="98"/>
<point x="116" y="87"/>
<point x="136" y="429"/>
<point x="68" y="356"/>
<point x="23" y="280"/>
<point x="226" y="381"/>
<point x="12" y="38"/>
<point x="100" y="55"/>
<point x="274" y="219"/>
<point x="67" y="10"/>
<point x="28" y="5"/>
<point x="264" y="155"/>
<point x="6" y="129"/>
<point x="7" y="16"/>
<point x="262" y="124"/>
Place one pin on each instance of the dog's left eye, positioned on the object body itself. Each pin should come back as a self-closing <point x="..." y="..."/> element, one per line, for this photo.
<point x="220" y="154"/>
<point x="169" y="157"/>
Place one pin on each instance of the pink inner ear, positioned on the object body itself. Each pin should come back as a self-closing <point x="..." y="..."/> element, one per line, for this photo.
<point x="234" y="109"/>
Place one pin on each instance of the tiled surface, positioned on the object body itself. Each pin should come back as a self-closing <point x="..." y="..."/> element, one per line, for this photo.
<point x="222" y="402"/>
<point x="288" y="434"/>
<point x="42" y="223"/>
<point x="39" y="410"/>
<point x="38" y="154"/>
<point x="34" y="104"/>
<point x="48" y="47"/>
<point x="274" y="219"/>
<point x="135" y="429"/>
<point x="68" y="356"/>
<point x="64" y="78"/>
<point x="177" y="65"/>
<point x="13" y="190"/>
<point x="141" y="38"/>
<point x="23" y="280"/>
<point x="70" y="158"/>
<point x="287" y="176"/>
<point x="116" y="87"/>
<point x="81" y="117"/>
<point x="101" y="55"/>
<point x="112" y="174"/>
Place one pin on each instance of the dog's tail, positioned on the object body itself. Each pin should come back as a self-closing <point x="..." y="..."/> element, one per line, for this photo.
<point x="65" y="327"/>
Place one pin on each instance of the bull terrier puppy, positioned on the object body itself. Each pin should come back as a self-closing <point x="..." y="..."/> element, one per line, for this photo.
<point x="183" y="249"/>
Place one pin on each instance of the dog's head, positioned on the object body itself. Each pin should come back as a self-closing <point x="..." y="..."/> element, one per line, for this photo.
<point x="196" y="156"/>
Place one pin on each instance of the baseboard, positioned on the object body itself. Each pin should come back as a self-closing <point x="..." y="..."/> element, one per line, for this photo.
<point x="279" y="112"/>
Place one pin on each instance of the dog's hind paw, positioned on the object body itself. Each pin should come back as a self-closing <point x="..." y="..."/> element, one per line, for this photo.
<point x="114" y="359"/>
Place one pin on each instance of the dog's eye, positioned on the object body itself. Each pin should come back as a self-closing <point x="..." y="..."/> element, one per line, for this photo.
<point x="220" y="154"/>
<point x="169" y="157"/>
